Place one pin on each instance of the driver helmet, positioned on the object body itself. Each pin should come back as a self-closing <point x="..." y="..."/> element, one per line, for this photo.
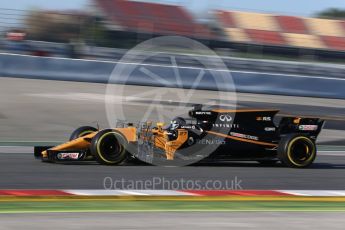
<point x="174" y="124"/>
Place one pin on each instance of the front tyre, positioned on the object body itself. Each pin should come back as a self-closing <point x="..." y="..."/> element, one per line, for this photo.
<point x="297" y="151"/>
<point x="82" y="131"/>
<point x="109" y="147"/>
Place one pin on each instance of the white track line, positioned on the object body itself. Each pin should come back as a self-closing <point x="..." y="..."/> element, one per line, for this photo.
<point x="100" y="192"/>
<point x="324" y="193"/>
<point x="314" y="192"/>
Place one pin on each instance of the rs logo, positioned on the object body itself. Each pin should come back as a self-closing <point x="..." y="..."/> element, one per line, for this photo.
<point x="227" y="118"/>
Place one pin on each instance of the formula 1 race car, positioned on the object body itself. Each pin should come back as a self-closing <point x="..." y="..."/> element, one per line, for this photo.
<point x="214" y="135"/>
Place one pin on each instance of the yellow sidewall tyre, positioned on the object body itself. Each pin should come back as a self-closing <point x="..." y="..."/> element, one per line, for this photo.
<point x="297" y="151"/>
<point x="82" y="131"/>
<point x="109" y="147"/>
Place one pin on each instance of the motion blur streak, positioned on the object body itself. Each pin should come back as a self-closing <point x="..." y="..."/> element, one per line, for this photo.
<point x="168" y="220"/>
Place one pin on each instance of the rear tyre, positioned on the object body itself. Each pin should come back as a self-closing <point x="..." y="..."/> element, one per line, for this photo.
<point x="297" y="151"/>
<point x="82" y="131"/>
<point x="109" y="147"/>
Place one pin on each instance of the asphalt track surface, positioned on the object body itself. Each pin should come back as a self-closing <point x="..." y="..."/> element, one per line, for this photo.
<point x="184" y="220"/>
<point x="40" y="110"/>
<point x="22" y="171"/>
<point x="43" y="110"/>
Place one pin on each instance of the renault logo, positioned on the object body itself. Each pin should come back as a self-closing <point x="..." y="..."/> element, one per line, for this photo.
<point x="227" y="118"/>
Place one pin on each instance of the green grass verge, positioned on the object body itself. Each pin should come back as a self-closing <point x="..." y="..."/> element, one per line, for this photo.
<point x="145" y="206"/>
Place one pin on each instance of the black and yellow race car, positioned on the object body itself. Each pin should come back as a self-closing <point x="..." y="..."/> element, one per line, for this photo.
<point x="206" y="135"/>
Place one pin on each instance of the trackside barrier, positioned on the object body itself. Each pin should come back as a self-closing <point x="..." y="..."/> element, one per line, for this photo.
<point x="21" y="66"/>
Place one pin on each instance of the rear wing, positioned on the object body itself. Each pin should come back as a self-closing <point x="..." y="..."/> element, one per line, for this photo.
<point x="309" y="126"/>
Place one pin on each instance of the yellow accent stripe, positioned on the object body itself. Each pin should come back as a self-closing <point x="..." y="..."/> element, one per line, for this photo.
<point x="85" y="133"/>
<point x="242" y="139"/>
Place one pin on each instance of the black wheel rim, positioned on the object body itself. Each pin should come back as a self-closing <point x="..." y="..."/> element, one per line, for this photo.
<point x="301" y="152"/>
<point x="110" y="147"/>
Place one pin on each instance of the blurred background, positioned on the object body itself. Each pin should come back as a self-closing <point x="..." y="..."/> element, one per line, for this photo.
<point x="284" y="55"/>
<point x="104" y="29"/>
<point x="57" y="58"/>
